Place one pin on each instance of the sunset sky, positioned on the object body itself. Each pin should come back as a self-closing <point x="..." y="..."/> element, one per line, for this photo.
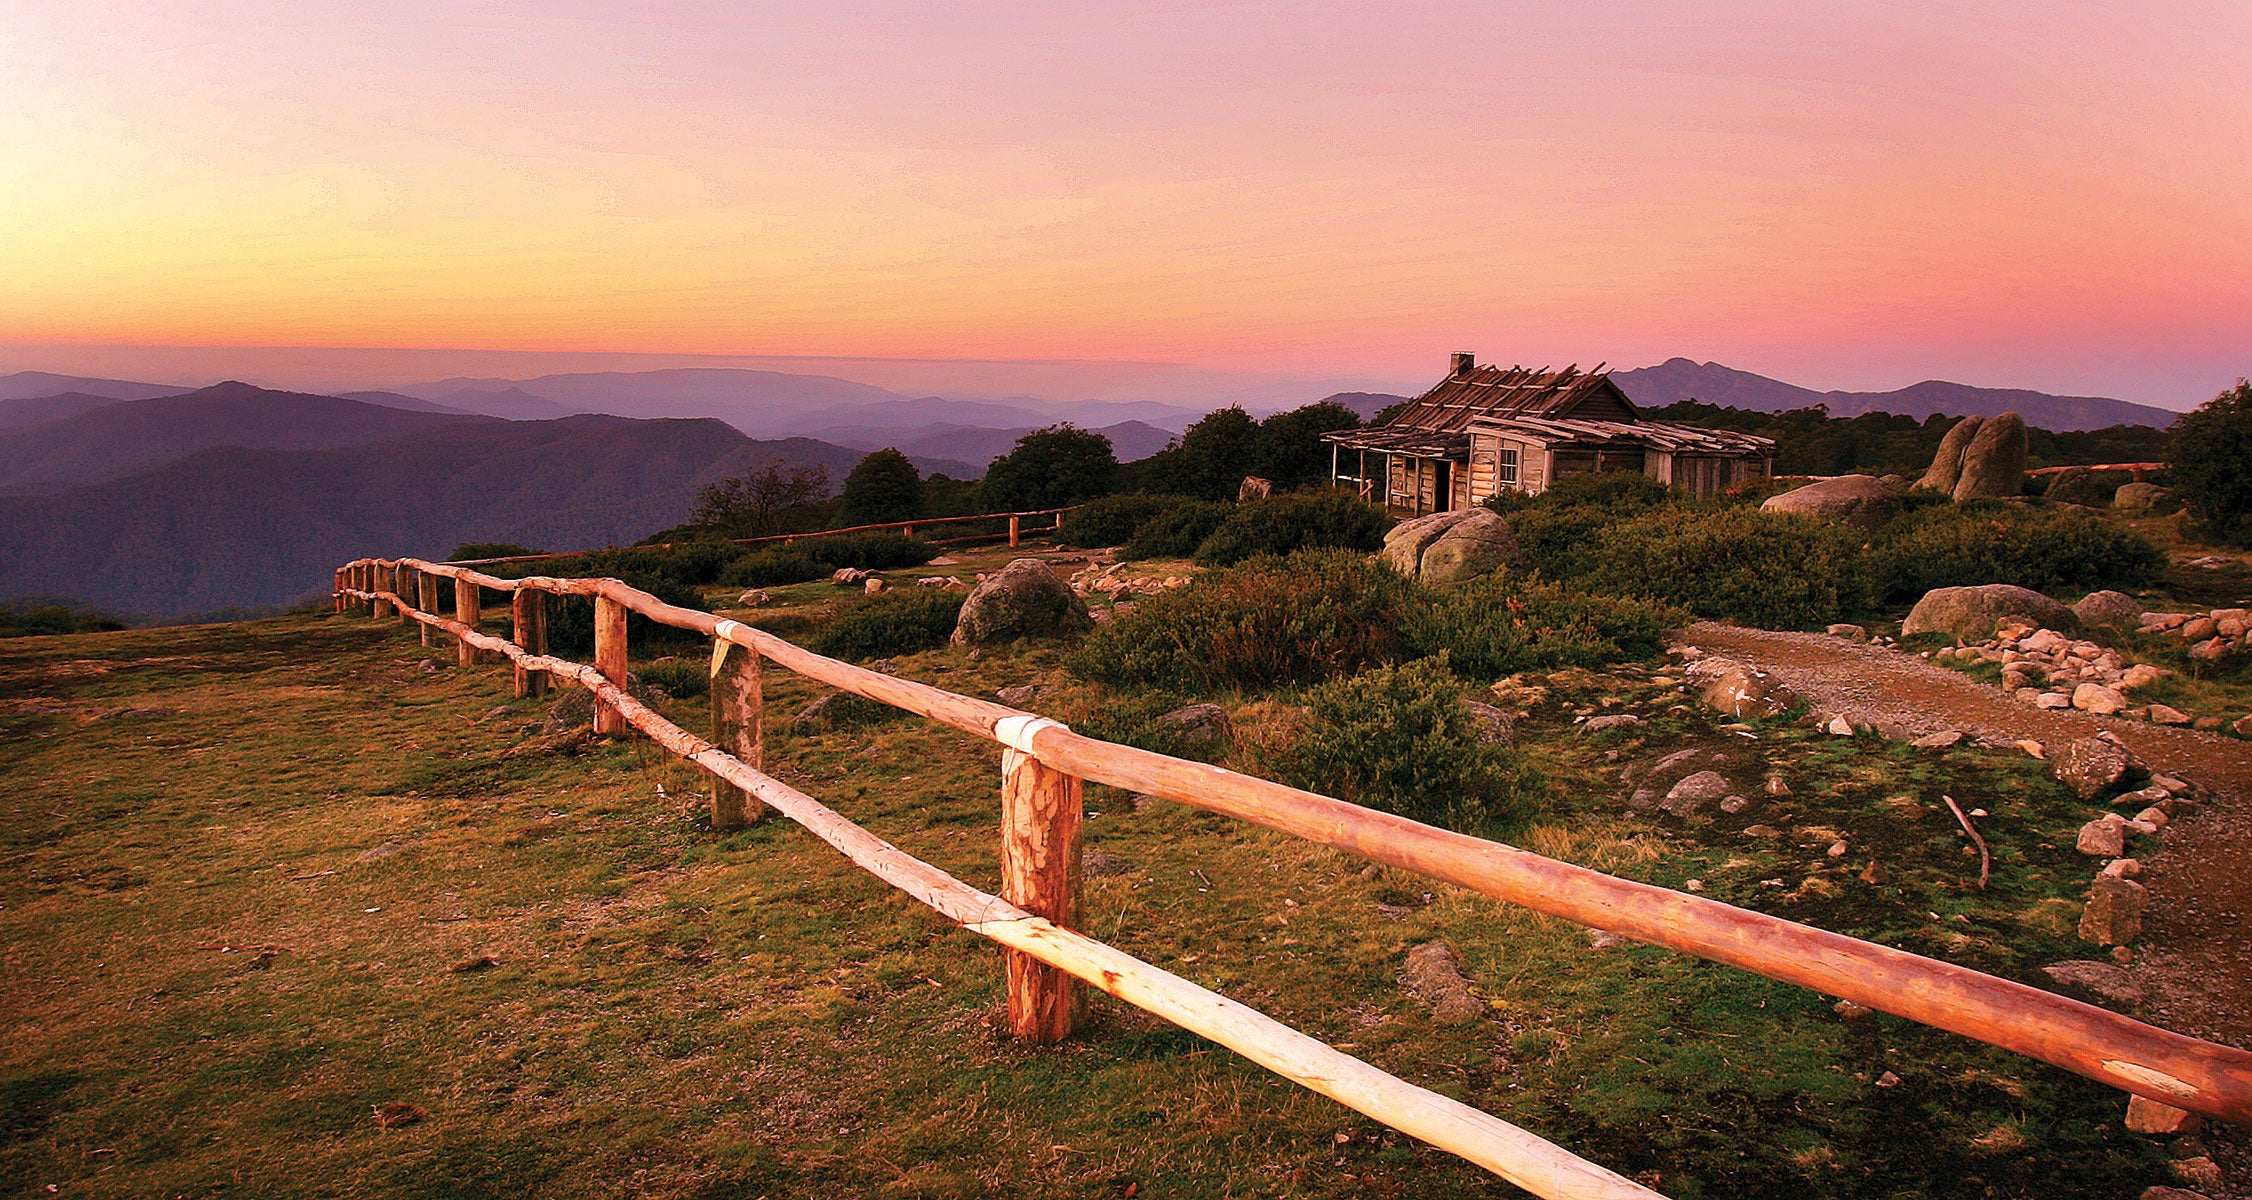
<point x="2049" y="195"/>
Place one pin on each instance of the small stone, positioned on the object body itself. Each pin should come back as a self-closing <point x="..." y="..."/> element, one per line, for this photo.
<point x="1853" y="633"/>
<point x="1851" y="1011"/>
<point x="1888" y="1080"/>
<point x="1777" y="788"/>
<point x="1434" y="975"/>
<point x="2095" y="698"/>
<point x="2141" y="675"/>
<point x="2153" y="816"/>
<point x="1694" y="792"/>
<point x="1602" y="939"/>
<point x="1762" y="831"/>
<point x="427" y="665"/>
<point x="1939" y="741"/>
<point x="1837" y="848"/>
<point x="873" y="586"/>
<point x="1875" y="873"/>
<point x="2156" y="1192"/>
<point x="1840" y="727"/>
<point x="2200" y="1172"/>
<point x="2169" y="784"/>
<point x="1733" y="805"/>
<point x="2093" y="766"/>
<point x="1614" y="721"/>
<point x="2103" y="837"/>
<point x="2114" y="915"/>
<point x="2145" y="1115"/>
<point x="2096" y="983"/>
<point x="1694" y="885"/>
<point x="2032" y="748"/>
<point x="849" y="577"/>
<point x="2243" y="727"/>
<point x="752" y="598"/>
<point x="2122" y="868"/>
<point x="2207" y="724"/>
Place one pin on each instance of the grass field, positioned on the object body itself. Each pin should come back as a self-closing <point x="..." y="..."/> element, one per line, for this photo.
<point x="255" y="871"/>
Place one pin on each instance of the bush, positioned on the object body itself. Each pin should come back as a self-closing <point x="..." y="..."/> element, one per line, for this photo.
<point x="1177" y="531"/>
<point x="866" y="551"/>
<point x="883" y="487"/>
<point x="1495" y="626"/>
<point x="680" y="678"/>
<point x="2211" y="455"/>
<point x="471" y="551"/>
<point x="1402" y="739"/>
<point x="1303" y="619"/>
<point x="2044" y="549"/>
<point x="1131" y="719"/>
<point x="902" y="622"/>
<point x="1776" y="570"/>
<point x="1299" y="521"/>
<point x="1112" y="520"/>
<point x="1049" y="468"/>
<point x="772" y="568"/>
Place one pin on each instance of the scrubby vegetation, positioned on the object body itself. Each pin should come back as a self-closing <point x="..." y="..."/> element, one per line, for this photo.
<point x="1176" y="531"/>
<point x="1402" y="739"/>
<point x="1994" y="542"/>
<point x="1112" y="520"/>
<point x="1297" y="521"/>
<point x="899" y="622"/>
<point x="53" y="618"/>
<point x="2211" y="453"/>
<point x="1809" y="441"/>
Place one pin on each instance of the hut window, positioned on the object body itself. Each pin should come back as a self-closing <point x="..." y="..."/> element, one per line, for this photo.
<point x="1505" y="466"/>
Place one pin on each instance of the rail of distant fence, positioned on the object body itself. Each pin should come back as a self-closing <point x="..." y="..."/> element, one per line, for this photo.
<point x="1015" y="522"/>
<point x="1043" y="765"/>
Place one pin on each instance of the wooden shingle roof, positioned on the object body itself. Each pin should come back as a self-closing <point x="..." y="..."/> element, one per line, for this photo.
<point x="1507" y="392"/>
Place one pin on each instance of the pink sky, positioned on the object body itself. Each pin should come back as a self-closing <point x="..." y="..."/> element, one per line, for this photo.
<point x="2055" y="196"/>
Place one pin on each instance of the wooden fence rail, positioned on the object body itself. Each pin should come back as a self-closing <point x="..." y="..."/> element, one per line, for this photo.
<point x="2131" y="1055"/>
<point x="1017" y="530"/>
<point x="1038" y="942"/>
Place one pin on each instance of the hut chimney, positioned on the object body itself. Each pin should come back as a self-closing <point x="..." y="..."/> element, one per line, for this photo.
<point x="1464" y="362"/>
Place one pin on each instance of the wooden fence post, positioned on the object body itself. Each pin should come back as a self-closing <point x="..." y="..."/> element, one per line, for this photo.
<point x="1041" y="809"/>
<point x="1013" y="532"/>
<point x="610" y="659"/>
<point x="402" y="586"/>
<point x="337" y="597"/>
<point x="528" y="608"/>
<point x="426" y="599"/>
<point x="737" y="704"/>
<point x="363" y="574"/>
<point x="469" y="604"/>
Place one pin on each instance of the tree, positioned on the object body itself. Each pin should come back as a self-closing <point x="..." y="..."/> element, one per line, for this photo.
<point x="1049" y="468"/>
<point x="883" y="487"/>
<point x="2211" y="457"/>
<point x="751" y="507"/>
<point x="1291" y="452"/>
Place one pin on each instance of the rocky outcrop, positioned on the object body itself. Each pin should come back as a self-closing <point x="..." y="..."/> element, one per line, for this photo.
<point x="1450" y="546"/>
<point x="1994" y="462"/>
<point x="1023" y="599"/>
<point x="2114" y="915"/>
<point x="1973" y="613"/>
<point x="2138" y="497"/>
<point x="1947" y="465"/>
<point x="1862" y="501"/>
<point x="2077" y="485"/>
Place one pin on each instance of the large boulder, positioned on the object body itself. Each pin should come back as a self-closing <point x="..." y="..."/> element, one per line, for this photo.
<point x="1023" y="599"/>
<point x="2138" y="497"/>
<point x="1970" y="614"/>
<point x="1450" y="546"/>
<point x="1742" y="690"/>
<point x="1862" y="501"/>
<point x="2109" y="610"/>
<point x="1479" y="544"/>
<point x="2077" y="485"/>
<point x="2092" y="766"/>
<point x="1947" y="465"/>
<point x="1994" y="462"/>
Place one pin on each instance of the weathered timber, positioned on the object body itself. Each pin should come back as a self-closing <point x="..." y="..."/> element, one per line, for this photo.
<point x="426" y="599"/>
<point x="610" y="659"/>
<point x="527" y="610"/>
<point x="1015" y="531"/>
<point x="737" y="705"/>
<point x="469" y="606"/>
<point x="2117" y="1050"/>
<point x="1537" y="1165"/>
<point x="1041" y="809"/>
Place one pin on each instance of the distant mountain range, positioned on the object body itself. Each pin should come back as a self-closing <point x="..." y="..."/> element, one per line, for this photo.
<point x="979" y="446"/>
<point x="1681" y="379"/>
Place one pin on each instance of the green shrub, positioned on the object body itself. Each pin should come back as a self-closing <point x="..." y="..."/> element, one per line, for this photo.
<point x="1498" y="626"/>
<point x="866" y="551"/>
<point x="1402" y="739"/>
<point x="2045" y="549"/>
<point x="1298" y="521"/>
<point x="901" y="622"/>
<point x="772" y="568"/>
<point x="679" y="677"/>
<point x="1776" y="570"/>
<point x="1302" y="619"/>
<point x="2211" y="454"/>
<point x="59" y="618"/>
<point x="1132" y="719"/>
<point x="1612" y="491"/>
<point x="1111" y="520"/>
<point x="1177" y="531"/>
<point x="471" y="551"/>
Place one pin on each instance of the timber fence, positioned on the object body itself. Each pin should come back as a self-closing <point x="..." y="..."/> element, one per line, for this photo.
<point x="1016" y="521"/>
<point x="1043" y="765"/>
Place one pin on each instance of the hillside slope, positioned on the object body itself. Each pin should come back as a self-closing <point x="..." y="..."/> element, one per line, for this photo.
<point x="30" y="385"/>
<point x="1678" y="379"/>
<point x="117" y="439"/>
<point x="241" y="527"/>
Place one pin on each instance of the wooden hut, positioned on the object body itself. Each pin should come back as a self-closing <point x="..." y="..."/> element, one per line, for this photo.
<point x="1482" y="430"/>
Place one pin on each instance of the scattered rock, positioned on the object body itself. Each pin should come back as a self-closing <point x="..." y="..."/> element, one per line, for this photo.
<point x="2171" y="1193"/>
<point x="1742" y="690"/>
<point x="1994" y="462"/>
<point x="2109" y="610"/>
<point x="2114" y="915"/>
<point x="1839" y="726"/>
<point x="2145" y="1115"/>
<point x="2096" y="983"/>
<point x="1200" y="723"/>
<point x="1939" y="741"/>
<point x="874" y="586"/>
<point x="2104" y="837"/>
<point x="1254" y="488"/>
<point x="572" y="708"/>
<point x="1875" y="873"/>
<point x="850" y="577"/>
<point x="1478" y="544"/>
<point x="1022" y="599"/>
<point x="1434" y="975"/>
<point x="482" y="962"/>
<point x="1605" y="724"/>
<point x="2093" y="766"/>
<point x="1851" y="1011"/>
<point x="2243" y="727"/>
<point x="2098" y="699"/>
<point x="1776" y="787"/>
<point x="1733" y="805"/>
<point x="373" y="853"/>
<point x="1946" y="468"/>
<point x="1024" y="693"/>
<point x="1495" y="726"/>
<point x="1861" y="501"/>
<point x="2138" y="497"/>
<point x="2202" y="1171"/>
<point x="752" y="598"/>
<point x="1851" y="633"/>
<point x="1694" y="792"/>
<point x="2162" y="714"/>
<point x="1972" y="614"/>
<point x="1888" y="1080"/>
<point x="1096" y="863"/>
<point x="427" y="666"/>
<point x="1603" y="939"/>
<point x="2077" y="485"/>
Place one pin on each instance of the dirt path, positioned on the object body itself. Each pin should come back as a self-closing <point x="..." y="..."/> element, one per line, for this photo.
<point x="2196" y="956"/>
